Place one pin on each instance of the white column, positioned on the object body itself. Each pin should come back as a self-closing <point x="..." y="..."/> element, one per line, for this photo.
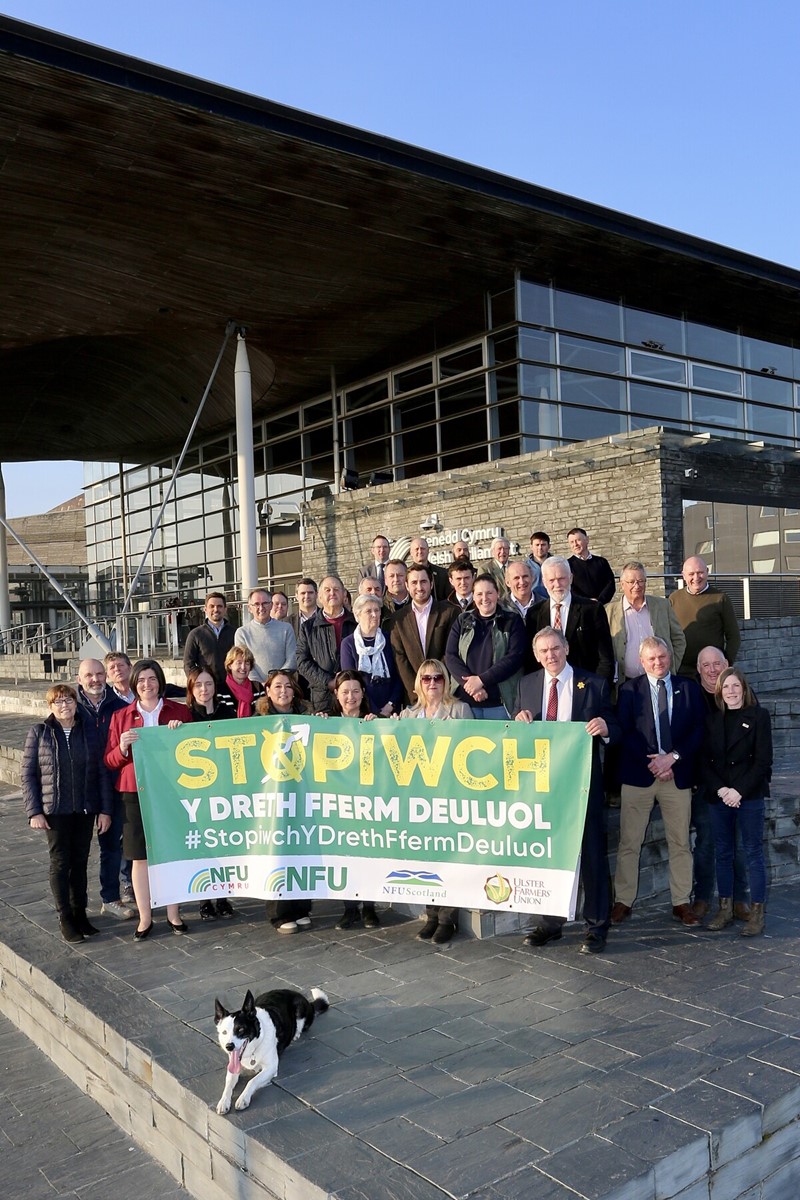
<point x="244" y="467"/>
<point x="5" y="603"/>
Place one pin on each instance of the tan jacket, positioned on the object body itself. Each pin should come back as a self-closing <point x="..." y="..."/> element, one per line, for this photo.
<point x="665" y="625"/>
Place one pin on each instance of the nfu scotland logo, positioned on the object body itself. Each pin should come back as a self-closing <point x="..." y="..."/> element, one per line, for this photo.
<point x="216" y="879"/>
<point x="418" y="879"/>
<point x="288" y="880"/>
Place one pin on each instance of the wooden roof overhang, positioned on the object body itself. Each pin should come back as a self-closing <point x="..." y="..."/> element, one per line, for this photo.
<point x="141" y="209"/>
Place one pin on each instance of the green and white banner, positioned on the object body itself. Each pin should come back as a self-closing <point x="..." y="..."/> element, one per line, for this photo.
<point x="480" y="815"/>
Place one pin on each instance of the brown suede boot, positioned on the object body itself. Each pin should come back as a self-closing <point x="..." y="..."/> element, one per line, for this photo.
<point x="724" y="916"/>
<point x="756" y="923"/>
<point x="741" y="911"/>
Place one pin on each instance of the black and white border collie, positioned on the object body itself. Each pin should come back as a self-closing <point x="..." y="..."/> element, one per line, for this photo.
<point x="256" y="1036"/>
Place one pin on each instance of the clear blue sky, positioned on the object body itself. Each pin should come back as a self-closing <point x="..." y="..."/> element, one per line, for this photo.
<point x="682" y="113"/>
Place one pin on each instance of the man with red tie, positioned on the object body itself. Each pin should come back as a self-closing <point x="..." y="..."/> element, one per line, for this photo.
<point x="583" y="622"/>
<point x="560" y="692"/>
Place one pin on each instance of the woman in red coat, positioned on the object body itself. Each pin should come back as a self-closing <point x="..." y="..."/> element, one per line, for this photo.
<point x="149" y="708"/>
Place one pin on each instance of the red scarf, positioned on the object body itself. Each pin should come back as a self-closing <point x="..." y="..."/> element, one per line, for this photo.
<point x="242" y="694"/>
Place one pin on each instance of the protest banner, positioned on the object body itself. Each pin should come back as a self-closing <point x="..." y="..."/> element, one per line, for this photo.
<point x="480" y="815"/>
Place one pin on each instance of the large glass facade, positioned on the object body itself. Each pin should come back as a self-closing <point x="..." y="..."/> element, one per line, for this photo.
<point x="552" y="367"/>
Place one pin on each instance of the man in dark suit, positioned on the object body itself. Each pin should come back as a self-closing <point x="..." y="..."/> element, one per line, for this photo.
<point x="423" y="613"/>
<point x="380" y="556"/>
<point x="583" y="622"/>
<point x="562" y="693"/>
<point x="662" y="719"/>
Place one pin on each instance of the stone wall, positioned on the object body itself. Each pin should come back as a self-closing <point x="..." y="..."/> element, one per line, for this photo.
<point x="599" y="487"/>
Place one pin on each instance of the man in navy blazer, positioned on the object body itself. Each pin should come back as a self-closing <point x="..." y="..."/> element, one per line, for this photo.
<point x="662" y="718"/>
<point x="564" y="693"/>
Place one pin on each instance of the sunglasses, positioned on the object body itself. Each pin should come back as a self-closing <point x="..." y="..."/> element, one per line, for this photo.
<point x="431" y="678"/>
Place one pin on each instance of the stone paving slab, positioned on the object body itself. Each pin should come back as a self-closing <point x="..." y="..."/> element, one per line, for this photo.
<point x="483" y="1070"/>
<point x="56" y="1142"/>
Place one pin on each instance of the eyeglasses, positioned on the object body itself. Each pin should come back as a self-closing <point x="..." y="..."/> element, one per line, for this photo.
<point x="60" y="701"/>
<point x="431" y="678"/>
<point x="259" y="605"/>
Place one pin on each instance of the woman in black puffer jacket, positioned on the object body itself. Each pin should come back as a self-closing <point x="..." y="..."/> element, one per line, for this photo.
<point x="67" y="789"/>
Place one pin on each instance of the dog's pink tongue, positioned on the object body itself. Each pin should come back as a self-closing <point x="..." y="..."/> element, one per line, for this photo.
<point x="234" y="1062"/>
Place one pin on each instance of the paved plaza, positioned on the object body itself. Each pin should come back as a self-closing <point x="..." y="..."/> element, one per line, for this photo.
<point x="484" y="1069"/>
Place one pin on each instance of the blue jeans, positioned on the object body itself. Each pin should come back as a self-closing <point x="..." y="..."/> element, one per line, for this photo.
<point x="749" y="818"/>
<point x="489" y="712"/>
<point x="110" y="844"/>
<point x="703" y="853"/>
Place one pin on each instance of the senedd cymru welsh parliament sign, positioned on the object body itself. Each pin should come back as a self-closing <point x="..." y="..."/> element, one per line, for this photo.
<point x="485" y="815"/>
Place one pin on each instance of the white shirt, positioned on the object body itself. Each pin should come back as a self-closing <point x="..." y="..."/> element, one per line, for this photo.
<point x="150" y="718"/>
<point x="564" y="680"/>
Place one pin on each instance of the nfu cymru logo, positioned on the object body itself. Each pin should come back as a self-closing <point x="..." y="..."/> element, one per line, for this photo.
<point x="218" y="879"/>
<point x="289" y="880"/>
<point x="497" y="889"/>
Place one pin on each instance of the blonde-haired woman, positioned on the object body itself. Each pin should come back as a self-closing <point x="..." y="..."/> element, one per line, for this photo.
<point x="434" y="690"/>
<point x="433" y="687"/>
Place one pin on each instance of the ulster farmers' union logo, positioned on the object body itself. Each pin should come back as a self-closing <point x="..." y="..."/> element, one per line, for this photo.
<point x="497" y="889"/>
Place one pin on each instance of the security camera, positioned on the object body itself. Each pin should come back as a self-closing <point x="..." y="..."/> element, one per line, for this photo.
<point x="431" y="523"/>
<point x="280" y="511"/>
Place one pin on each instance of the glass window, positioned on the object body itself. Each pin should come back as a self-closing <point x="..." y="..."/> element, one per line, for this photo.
<point x="320" y="469"/>
<point x="504" y="348"/>
<point x="468" y="359"/>
<point x="654" y="331"/>
<point x="460" y="398"/>
<point x="504" y="384"/>
<point x="501" y="308"/>
<point x="419" y="411"/>
<point x="584" y="314"/>
<point x="656" y="366"/>
<point x="416" y="377"/>
<point x="540" y="425"/>
<point x="769" y="356"/>
<point x="665" y="404"/>
<point x="593" y="390"/>
<point x="716" y="345"/>
<point x="215" y="450"/>
<point x="281" y="455"/>
<point x="538" y="382"/>
<point x="535" y="303"/>
<point x="580" y="424"/>
<point x="709" y="412"/>
<point x="284" y="423"/>
<point x="468" y="429"/>
<point x="538" y="345"/>
<point x="767" y="390"/>
<point x="320" y="441"/>
<point x="590" y="356"/>
<point x="774" y="422"/>
<point x="314" y="413"/>
<point x="368" y="393"/>
<point x="716" y="380"/>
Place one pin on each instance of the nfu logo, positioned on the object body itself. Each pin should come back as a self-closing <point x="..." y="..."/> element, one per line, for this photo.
<point x="288" y="880"/>
<point x="215" y="879"/>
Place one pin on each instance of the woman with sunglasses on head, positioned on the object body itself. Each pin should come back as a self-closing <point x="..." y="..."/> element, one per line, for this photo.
<point x="284" y="698"/>
<point x="150" y="708"/>
<point x="434" y="690"/>
<point x="67" y="790"/>
<point x="350" y="700"/>
<point x="736" y="765"/>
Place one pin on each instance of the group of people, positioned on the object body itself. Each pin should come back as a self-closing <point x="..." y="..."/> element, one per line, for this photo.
<point x="540" y="638"/>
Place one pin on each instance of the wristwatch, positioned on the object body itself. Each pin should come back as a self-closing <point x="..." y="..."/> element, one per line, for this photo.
<point x="676" y="757"/>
